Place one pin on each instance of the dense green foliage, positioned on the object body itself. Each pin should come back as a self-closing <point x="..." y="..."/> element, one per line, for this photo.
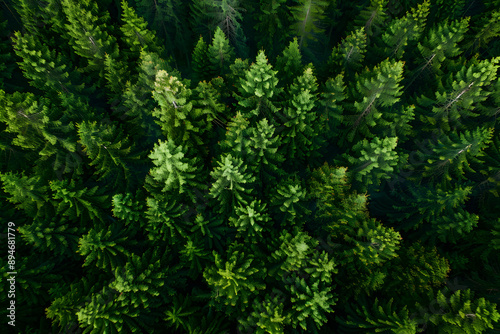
<point x="238" y="166"/>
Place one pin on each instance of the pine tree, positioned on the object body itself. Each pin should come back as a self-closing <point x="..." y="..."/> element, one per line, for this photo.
<point x="381" y="317"/>
<point x="220" y="54"/>
<point x="180" y="122"/>
<point x="372" y="17"/>
<point x="460" y="312"/>
<point x="297" y="131"/>
<point x="416" y="270"/>
<point x="195" y="256"/>
<point x="209" y="109"/>
<point x="329" y="187"/>
<point x="73" y="199"/>
<point x="310" y="302"/>
<point x="350" y="53"/>
<point x="28" y="193"/>
<point x="181" y="313"/>
<point x="330" y="109"/>
<point x="487" y="29"/>
<point x="400" y="32"/>
<point x="165" y="220"/>
<point x="229" y="187"/>
<point x="442" y="210"/>
<point x="106" y="248"/>
<point x="89" y="36"/>
<point x="137" y="102"/>
<point x="439" y="45"/>
<point x="111" y="153"/>
<point x="308" y="15"/>
<point x="289" y="64"/>
<point x="54" y="236"/>
<point x="376" y="91"/>
<point x="175" y="168"/>
<point x="97" y="313"/>
<point x="65" y="305"/>
<point x="200" y="61"/>
<point x="250" y="220"/>
<point x="46" y="68"/>
<point x="234" y="277"/>
<point x="127" y="208"/>
<point x="227" y="16"/>
<point x="258" y="89"/>
<point x="449" y="157"/>
<point x="211" y="229"/>
<point x="137" y="36"/>
<point x="199" y="18"/>
<point x="265" y="159"/>
<point x="460" y="97"/>
<point x="7" y="65"/>
<point x="237" y="139"/>
<point x="373" y="161"/>
<point x="167" y="18"/>
<point x="147" y="281"/>
<point x="267" y="316"/>
<point x="272" y="19"/>
<point x="288" y="203"/>
<point x="116" y="74"/>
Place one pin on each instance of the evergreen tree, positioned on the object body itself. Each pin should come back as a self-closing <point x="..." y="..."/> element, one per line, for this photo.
<point x="167" y="18"/>
<point x="227" y="16"/>
<point x="111" y="153"/>
<point x="234" y="277"/>
<point x="308" y="15"/>
<point x="46" y="68"/>
<point x="164" y="220"/>
<point x="174" y="169"/>
<point x="179" y="121"/>
<point x="330" y="108"/>
<point x="401" y="32"/>
<point x="220" y="54"/>
<point x="288" y="203"/>
<point x="460" y="312"/>
<point x="350" y="53"/>
<point x="89" y="36"/>
<point x="229" y="187"/>
<point x="458" y="99"/>
<point x="106" y="247"/>
<point x="28" y="193"/>
<point x="73" y="199"/>
<point x="249" y="220"/>
<point x="372" y="17"/>
<point x="265" y="159"/>
<point x="200" y="61"/>
<point x="127" y="208"/>
<point x="375" y="160"/>
<point x="375" y="95"/>
<point x="267" y="316"/>
<point x="289" y="64"/>
<point x="380" y="318"/>
<point x="450" y="156"/>
<point x="442" y="210"/>
<point x="257" y="90"/>
<point x="55" y="236"/>
<point x="137" y="35"/>
<point x="272" y="20"/>
<point x="417" y="269"/>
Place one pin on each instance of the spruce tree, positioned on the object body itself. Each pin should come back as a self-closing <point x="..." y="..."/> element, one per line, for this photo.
<point x="175" y="169"/>
<point x="220" y="54"/>
<point x="200" y="61"/>
<point x="289" y="64"/>
<point x="258" y="90"/>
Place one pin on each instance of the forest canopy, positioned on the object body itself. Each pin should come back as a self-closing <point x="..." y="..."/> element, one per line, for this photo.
<point x="240" y="166"/>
